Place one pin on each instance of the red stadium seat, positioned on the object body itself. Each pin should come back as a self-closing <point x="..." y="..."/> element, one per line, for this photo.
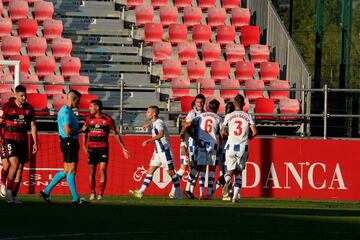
<point x="83" y="82"/>
<point x="182" y="3"/>
<point x="39" y="102"/>
<point x="221" y="101"/>
<point x="159" y="3"/>
<point x="210" y="52"/>
<point x="269" y="71"/>
<point x="192" y="16"/>
<point x="185" y="103"/>
<point x="85" y="102"/>
<point x="27" y="27"/>
<point x="36" y="46"/>
<point x="240" y="17"/>
<point x="227" y="94"/>
<point x="207" y="86"/>
<point x="7" y="83"/>
<point x="277" y="95"/>
<point x="206" y="3"/>
<point x="225" y="34"/>
<point x="234" y="52"/>
<point x="153" y="32"/>
<point x="216" y="16"/>
<point x="201" y="34"/>
<point x="24" y="63"/>
<point x="168" y="15"/>
<point x="171" y="68"/>
<point x="70" y="66"/>
<point x="244" y="71"/>
<point x="195" y="69"/>
<point x="45" y="65"/>
<point x="133" y="3"/>
<point x="18" y="9"/>
<point x="5" y="96"/>
<point x="10" y="45"/>
<point x="250" y="35"/>
<point x="50" y="86"/>
<point x="61" y="47"/>
<point x="31" y="2"/>
<point x="229" y="4"/>
<point x="264" y="106"/>
<point x="52" y="28"/>
<point x="220" y="70"/>
<point x="177" y="93"/>
<point x="177" y="33"/>
<point x="186" y="51"/>
<point x="161" y="51"/>
<point x="5" y="27"/>
<point x="43" y="10"/>
<point x="1" y="7"/>
<point x="259" y="53"/>
<point x="144" y="14"/>
<point x="59" y="100"/>
<point x="1" y="66"/>
<point x="289" y="106"/>
<point x="254" y="94"/>
<point x="30" y="78"/>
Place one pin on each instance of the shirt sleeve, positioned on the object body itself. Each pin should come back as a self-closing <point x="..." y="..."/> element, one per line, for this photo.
<point x="66" y="117"/>
<point x="251" y="121"/>
<point x="112" y="124"/>
<point x="189" y="116"/>
<point x="159" y="126"/>
<point x="32" y="116"/>
<point x="3" y="112"/>
<point x="225" y="121"/>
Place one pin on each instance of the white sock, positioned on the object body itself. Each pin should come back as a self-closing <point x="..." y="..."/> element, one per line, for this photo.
<point x="146" y="182"/>
<point x="211" y="183"/>
<point x="202" y="183"/>
<point x="237" y="186"/>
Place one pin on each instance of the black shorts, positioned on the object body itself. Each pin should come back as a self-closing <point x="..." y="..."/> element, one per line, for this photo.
<point x="70" y="149"/>
<point x="97" y="155"/>
<point x="14" y="148"/>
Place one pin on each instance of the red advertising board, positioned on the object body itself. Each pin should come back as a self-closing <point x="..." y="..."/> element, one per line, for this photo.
<point x="278" y="168"/>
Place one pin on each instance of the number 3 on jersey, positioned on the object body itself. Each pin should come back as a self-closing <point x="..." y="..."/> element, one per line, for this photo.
<point x="238" y="130"/>
<point x="208" y="125"/>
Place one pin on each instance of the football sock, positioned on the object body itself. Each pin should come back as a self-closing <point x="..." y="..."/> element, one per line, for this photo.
<point x="191" y="177"/>
<point x="146" y="182"/>
<point x="102" y="187"/>
<point x="202" y="183"/>
<point x="57" y="178"/>
<point x="15" y="188"/>
<point x="237" y="186"/>
<point x="92" y="187"/>
<point x="176" y="182"/>
<point x="220" y="182"/>
<point x="211" y="183"/>
<point x="227" y="177"/>
<point x="10" y="183"/>
<point x="3" y="176"/>
<point x="70" y="177"/>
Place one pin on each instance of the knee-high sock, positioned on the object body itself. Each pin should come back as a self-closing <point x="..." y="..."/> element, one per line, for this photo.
<point x="102" y="186"/>
<point x="191" y="177"/>
<point x="179" y="173"/>
<point x="193" y="183"/>
<point x="227" y="177"/>
<point x="176" y="183"/>
<point x="3" y="176"/>
<point x="146" y="182"/>
<point x="57" y="178"/>
<point x="220" y="182"/>
<point x="15" y="188"/>
<point x="202" y="183"/>
<point x="237" y="186"/>
<point x="211" y="183"/>
<point x="70" y="177"/>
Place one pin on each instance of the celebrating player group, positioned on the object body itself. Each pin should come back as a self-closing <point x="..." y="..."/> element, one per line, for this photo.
<point x="207" y="141"/>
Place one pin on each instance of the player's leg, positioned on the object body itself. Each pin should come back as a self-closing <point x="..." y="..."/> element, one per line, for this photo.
<point x="193" y="175"/>
<point x="202" y="156"/>
<point x="242" y="157"/>
<point x="4" y="174"/>
<point x="148" y="179"/>
<point x="184" y="163"/>
<point x="92" y="184"/>
<point x="231" y="163"/>
<point x="167" y="161"/>
<point x="237" y="185"/>
<point x="103" y="179"/>
<point x="14" y="165"/>
<point x="212" y="167"/>
<point x="17" y="183"/>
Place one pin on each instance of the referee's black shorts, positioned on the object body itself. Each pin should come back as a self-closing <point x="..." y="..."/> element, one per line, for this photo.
<point x="70" y="149"/>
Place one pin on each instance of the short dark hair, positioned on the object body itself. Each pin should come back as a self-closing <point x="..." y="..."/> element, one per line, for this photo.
<point x="97" y="102"/>
<point x="20" y="88"/>
<point x="214" y="105"/>
<point x="230" y="107"/>
<point x="76" y="92"/>
<point x="156" y="109"/>
<point x="239" y="101"/>
<point x="200" y="96"/>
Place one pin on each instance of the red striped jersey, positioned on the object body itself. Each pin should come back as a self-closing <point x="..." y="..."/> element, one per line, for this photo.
<point x="17" y="120"/>
<point x="99" y="129"/>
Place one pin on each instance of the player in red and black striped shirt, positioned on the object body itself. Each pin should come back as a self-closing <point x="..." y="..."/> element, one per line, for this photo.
<point x="19" y="117"/>
<point x="97" y="128"/>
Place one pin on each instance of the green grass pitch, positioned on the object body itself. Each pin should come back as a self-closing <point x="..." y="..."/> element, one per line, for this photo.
<point x="121" y="217"/>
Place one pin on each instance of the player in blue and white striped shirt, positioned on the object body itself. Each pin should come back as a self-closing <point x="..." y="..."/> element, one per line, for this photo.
<point x="162" y="155"/>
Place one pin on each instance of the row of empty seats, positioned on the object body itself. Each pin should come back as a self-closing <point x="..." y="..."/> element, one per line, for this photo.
<point x="19" y="9"/>
<point x="192" y="15"/>
<point x="204" y="4"/>
<point x="262" y="106"/>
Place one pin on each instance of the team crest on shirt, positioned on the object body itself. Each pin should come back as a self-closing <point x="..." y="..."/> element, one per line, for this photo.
<point x="103" y="121"/>
<point x="21" y="117"/>
<point x="97" y="126"/>
<point x="27" y="112"/>
<point x="92" y="122"/>
<point x="160" y="177"/>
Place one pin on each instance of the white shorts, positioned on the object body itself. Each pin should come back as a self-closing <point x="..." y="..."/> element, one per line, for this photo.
<point x="204" y="157"/>
<point x="163" y="159"/>
<point x="236" y="159"/>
